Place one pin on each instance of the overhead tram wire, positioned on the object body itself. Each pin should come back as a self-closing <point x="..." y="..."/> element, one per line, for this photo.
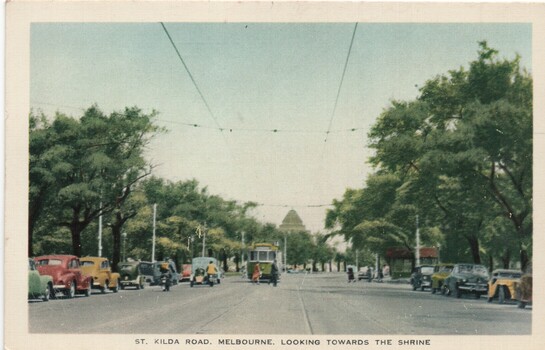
<point x="195" y="125"/>
<point x="191" y="76"/>
<point x="341" y="82"/>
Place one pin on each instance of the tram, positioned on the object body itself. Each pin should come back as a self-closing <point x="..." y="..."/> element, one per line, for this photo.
<point x="265" y="254"/>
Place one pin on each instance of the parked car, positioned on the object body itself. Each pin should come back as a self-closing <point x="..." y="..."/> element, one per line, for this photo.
<point x="502" y="285"/>
<point x="172" y="267"/>
<point x="151" y="272"/>
<point x="437" y="279"/>
<point x="524" y="289"/>
<point x="186" y="273"/>
<point x="199" y="274"/>
<point x="67" y="275"/>
<point x="421" y="277"/>
<point x="38" y="286"/>
<point x="466" y="278"/>
<point x="100" y="270"/>
<point x="131" y="275"/>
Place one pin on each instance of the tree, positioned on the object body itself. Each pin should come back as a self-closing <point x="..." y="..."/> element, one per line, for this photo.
<point x="94" y="162"/>
<point x="464" y="148"/>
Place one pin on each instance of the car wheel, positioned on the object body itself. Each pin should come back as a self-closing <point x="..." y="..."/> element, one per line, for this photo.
<point x="501" y="295"/>
<point x="71" y="291"/>
<point x="191" y="284"/>
<point x="47" y="293"/>
<point x="458" y="292"/>
<point x="445" y="290"/>
<point x="122" y="286"/>
<point x="115" y="289"/>
<point x="521" y="304"/>
<point x="104" y="288"/>
<point x="88" y="290"/>
<point x="490" y="299"/>
<point x="142" y="286"/>
<point x="433" y="290"/>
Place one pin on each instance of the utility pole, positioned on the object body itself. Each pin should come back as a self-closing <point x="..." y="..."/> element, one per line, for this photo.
<point x="153" y="240"/>
<point x="204" y="241"/>
<point x="242" y="255"/>
<point x="286" y="253"/>
<point x="100" y="232"/>
<point x="417" y="255"/>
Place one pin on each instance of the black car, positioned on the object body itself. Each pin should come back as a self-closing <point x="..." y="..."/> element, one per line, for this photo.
<point x="151" y="272"/>
<point x="421" y="276"/>
<point x="466" y="279"/>
<point x="131" y="275"/>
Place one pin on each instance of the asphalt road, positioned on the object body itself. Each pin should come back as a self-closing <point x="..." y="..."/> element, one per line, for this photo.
<point x="301" y="304"/>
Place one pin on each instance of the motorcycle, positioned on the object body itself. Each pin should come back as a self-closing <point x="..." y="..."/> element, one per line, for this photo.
<point x="165" y="282"/>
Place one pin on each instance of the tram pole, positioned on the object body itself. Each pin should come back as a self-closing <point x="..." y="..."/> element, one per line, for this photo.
<point x="286" y="253"/>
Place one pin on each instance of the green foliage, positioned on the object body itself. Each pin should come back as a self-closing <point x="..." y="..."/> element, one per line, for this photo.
<point x="459" y="156"/>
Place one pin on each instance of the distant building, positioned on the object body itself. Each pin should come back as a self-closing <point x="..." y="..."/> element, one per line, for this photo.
<point x="292" y="223"/>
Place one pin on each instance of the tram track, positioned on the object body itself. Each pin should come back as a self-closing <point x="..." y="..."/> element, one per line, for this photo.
<point x="306" y="319"/>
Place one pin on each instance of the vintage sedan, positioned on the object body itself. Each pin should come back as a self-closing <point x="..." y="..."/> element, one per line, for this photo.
<point x="186" y="272"/>
<point x="437" y="279"/>
<point x="131" y="275"/>
<point x="502" y="285"/>
<point x="421" y="277"/>
<point x="38" y="286"/>
<point x="466" y="279"/>
<point x="101" y="272"/>
<point x="151" y="272"/>
<point x="67" y="275"/>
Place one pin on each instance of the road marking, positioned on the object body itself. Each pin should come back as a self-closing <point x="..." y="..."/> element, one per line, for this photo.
<point x="305" y="315"/>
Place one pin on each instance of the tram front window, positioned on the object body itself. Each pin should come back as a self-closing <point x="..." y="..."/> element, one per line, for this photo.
<point x="263" y="256"/>
<point x="253" y="256"/>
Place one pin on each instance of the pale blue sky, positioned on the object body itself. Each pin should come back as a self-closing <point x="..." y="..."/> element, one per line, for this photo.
<point x="256" y="76"/>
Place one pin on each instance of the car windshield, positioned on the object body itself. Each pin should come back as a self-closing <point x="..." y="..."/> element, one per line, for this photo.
<point x="86" y="263"/>
<point x="510" y="274"/>
<point x="50" y="262"/>
<point x="427" y="269"/>
<point x="146" y="269"/>
<point x="480" y="270"/>
<point x="126" y="267"/>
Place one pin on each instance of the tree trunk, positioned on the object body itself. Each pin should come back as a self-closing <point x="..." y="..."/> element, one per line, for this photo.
<point x="506" y="259"/>
<point x="474" y="246"/>
<point x="524" y="260"/>
<point x="116" y="234"/>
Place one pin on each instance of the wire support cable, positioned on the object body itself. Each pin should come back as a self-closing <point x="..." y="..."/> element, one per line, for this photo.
<point x="191" y="76"/>
<point x="341" y="82"/>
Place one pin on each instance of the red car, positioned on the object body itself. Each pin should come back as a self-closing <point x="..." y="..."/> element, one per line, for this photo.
<point x="66" y="273"/>
<point x="186" y="272"/>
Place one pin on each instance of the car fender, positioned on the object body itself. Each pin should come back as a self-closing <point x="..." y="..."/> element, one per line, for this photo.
<point x="114" y="278"/>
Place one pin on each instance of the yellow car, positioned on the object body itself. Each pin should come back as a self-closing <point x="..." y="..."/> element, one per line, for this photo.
<point x="502" y="285"/>
<point x="437" y="279"/>
<point x="101" y="272"/>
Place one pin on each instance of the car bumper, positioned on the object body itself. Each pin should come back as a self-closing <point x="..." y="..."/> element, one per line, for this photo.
<point x="474" y="288"/>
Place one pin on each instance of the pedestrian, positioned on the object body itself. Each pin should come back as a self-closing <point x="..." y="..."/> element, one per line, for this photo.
<point x="257" y="273"/>
<point x="350" y="275"/>
<point x="274" y="273"/>
<point x="386" y="270"/>
<point x="369" y="274"/>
